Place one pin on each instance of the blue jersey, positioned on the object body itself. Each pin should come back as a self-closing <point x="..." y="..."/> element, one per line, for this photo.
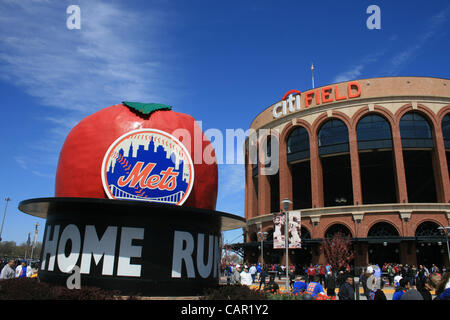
<point x="314" y="288"/>
<point x="398" y="294"/>
<point x="299" y="286"/>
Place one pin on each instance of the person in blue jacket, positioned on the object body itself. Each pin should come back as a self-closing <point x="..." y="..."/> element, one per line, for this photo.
<point x="402" y="287"/>
<point x="314" y="287"/>
<point x="299" y="285"/>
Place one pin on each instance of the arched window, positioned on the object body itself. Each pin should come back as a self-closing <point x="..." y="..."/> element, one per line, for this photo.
<point x="446" y="135"/>
<point x="298" y="145"/>
<point x="337" y="228"/>
<point x="382" y="229"/>
<point x="415" y="131"/>
<point x="427" y="229"/>
<point x="297" y="149"/>
<point x="333" y="137"/>
<point x="373" y="132"/>
<point x="417" y="142"/>
<point x="446" y="130"/>
<point x="376" y="160"/>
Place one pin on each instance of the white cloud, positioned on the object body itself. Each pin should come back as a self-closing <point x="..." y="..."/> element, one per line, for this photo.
<point x="432" y="29"/>
<point x="350" y="74"/>
<point x="114" y="57"/>
<point x="232" y="180"/>
<point x="356" y="71"/>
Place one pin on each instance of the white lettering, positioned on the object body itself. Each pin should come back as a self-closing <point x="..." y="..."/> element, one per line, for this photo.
<point x="99" y="248"/>
<point x="204" y="270"/>
<point x="66" y="263"/>
<point x="276" y="113"/>
<point x="180" y="254"/>
<point x="127" y="251"/>
<point x="50" y="248"/>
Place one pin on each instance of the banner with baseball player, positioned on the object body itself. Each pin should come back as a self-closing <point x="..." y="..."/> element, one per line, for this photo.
<point x="294" y="231"/>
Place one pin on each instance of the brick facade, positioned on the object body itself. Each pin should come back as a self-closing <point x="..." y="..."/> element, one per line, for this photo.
<point x="381" y="100"/>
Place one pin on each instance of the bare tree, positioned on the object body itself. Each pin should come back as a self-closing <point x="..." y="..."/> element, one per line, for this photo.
<point x="337" y="251"/>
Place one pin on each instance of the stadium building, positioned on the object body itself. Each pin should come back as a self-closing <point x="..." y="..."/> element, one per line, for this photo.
<point x="368" y="158"/>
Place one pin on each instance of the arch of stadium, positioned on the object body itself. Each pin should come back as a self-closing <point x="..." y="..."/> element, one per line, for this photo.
<point x="368" y="158"/>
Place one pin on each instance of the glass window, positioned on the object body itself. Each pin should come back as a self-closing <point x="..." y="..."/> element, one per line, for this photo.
<point x="298" y="140"/>
<point x="373" y="127"/>
<point x="333" y="132"/>
<point x="427" y="229"/>
<point x="382" y="229"/>
<point x="337" y="228"/>
<point x="414" y="126"/>
<point x="446" y="130"/>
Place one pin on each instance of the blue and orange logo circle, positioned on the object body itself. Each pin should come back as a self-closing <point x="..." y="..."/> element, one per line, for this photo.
<point x="148" y="165"/>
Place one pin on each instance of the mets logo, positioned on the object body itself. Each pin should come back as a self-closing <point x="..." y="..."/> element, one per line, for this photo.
<point x="148" y="165"/>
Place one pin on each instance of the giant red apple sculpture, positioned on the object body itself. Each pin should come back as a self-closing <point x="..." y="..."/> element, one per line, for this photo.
<point x="96" y="149"/>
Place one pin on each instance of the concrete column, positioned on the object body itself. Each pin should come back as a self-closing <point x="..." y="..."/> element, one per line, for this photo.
<point x="285" y="174"/>
<point x="263" y="193"/>
<point x="356" y="173"/>
<point x="408" y="253"/>
<point x="406" y="217"/>
<point x="402" y="191"/>
<point x="251" y="207"/>
<point x="361" y="254"/>
<point x="440" y="168"/>
<point x="316" y="173"/>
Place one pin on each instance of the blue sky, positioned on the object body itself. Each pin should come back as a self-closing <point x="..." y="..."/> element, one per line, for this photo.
<point x="220" y="61"/>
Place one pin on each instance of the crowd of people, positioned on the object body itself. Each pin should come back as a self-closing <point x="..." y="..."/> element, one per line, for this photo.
<point x="17" y="269"/>
<point x="409" y="282"/>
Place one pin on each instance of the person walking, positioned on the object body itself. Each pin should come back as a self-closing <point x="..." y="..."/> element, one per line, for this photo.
<point x="411" y="293"/>
<point x="252" y="272"/>
<point x="375" y="287"/>
<point x="262" y="277"/>
<point x="246" y="277"/>
<point x="331" y="284"/>
<point x="367" y="278"/>
<point x="400" y="288"/>
<point x="236" y="277"/>
<point x="311" y="272"/>
<point x="322" y="272"/>
<point x="346" y="290"/>
<point x="24" y="270"/>
<point x="391" y="274"/>
<point x="271" y="286"/>
<point x="8" y="270"/>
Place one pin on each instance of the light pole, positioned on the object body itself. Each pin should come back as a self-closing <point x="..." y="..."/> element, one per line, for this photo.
<point x="445" y="232"/>
<point x="7" y="199"/>
<point x="35" y="239"/>
<point x="262" y="235"/>
<point x="28" y="244"/>
<point x="285" y="202"/>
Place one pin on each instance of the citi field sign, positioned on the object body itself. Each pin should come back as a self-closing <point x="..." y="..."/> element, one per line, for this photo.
<point x="294" y="100"/>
